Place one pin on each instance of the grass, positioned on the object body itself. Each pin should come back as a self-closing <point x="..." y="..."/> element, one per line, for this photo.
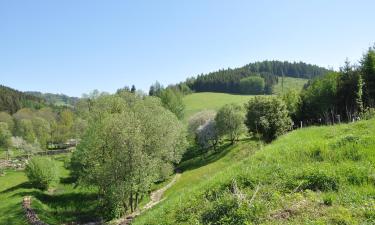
<point x="63" y="203"/>
<point x="290" y="83"/>
<point x="316" y="175"/>
<point x="197" y="102"/>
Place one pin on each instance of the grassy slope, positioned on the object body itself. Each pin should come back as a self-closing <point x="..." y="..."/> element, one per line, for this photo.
<point x="317" y="175"/>
<point x="208" y="100"/>
<point x="63" y="203"/>
<point x="290" y="83"/>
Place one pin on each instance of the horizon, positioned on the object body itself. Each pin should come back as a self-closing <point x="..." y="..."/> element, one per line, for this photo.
<point x="75" y="47"/>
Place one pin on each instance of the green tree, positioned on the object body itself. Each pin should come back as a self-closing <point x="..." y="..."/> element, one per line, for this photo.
<point x="252" y="85"/>
<point x="293" y="102"/>
<point x="26" y="130"/>
<point x="5" y="136"/>
<point x="197" y="120"/>
<point x="42" y="172"/>
<point x="230" y="121"/>
<point x="173" y="101"/>
<point x="268" y="117"/>
<point x="129" y="144"/>
<point x="368" y="73"/>
<point x="349" y="92"/>
<point x="8" y="119"/>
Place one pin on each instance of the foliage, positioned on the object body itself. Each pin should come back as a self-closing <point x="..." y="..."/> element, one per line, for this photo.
<point x="368" y="73"/>
<point x="228" y="80"/>
<point x="197" y="120"/>
<point x="128" y="145"/>
<point x="41" y="172"/>
<point x="207" y="135"/>
<point x="293" y="102"/>
<point x="252" y="85"/>
<point x="5" y="135"/>
<point x="230" y="121"/>
<point x="268" y="117"/>
<point x="7" y="118"/>
<point x="12" y="100"/>
<point x="55" y="99"/>
<point x="172" y="100"/>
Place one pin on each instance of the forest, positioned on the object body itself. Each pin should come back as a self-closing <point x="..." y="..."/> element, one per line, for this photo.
<point x="259" y="77"/>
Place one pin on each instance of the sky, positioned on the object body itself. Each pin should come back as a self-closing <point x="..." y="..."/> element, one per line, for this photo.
<point x="75" y="46"/>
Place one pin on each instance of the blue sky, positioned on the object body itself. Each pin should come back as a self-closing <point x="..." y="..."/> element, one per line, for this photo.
<point x="74" y="46"/>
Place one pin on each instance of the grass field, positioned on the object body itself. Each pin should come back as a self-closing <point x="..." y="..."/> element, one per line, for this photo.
<point x="290" y="83"/>
<point x="197" y="102"/>
<point x="209" y="100"/>
<point x="316" y="175"/>
<point x="63" y="203"/>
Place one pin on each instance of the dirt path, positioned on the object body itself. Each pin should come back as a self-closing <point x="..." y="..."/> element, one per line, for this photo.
<point x="156" y="197"/>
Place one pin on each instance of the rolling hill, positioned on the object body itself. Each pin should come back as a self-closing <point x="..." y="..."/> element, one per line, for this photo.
<point x="213" y="101"/>
<point x="316" y="175"/>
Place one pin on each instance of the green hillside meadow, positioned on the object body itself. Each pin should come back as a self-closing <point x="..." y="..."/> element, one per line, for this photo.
<point x="316" y="175"/>
<point x="213" y="101"/>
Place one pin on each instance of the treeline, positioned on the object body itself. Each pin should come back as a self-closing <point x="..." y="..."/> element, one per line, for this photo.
<point x="346" y="95"/>
<point x="12" y="100"/>
<point x="229" y="80"/>
<point x="55" y="99"/>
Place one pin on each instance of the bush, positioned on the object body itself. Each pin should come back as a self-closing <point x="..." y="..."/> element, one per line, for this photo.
<point x="268" y="117"/>
<point x="319" y="180"/>
<point x="252" y="85"/>
<point x="41" y="172"/>
<point x="230" y="121"/>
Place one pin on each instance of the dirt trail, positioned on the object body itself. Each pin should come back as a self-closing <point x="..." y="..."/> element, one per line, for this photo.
<point x="156" y="197"/>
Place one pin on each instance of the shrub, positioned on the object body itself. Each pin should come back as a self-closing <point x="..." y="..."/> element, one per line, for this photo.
<point x="268" y="117"/>
<point x="319" y="180"/>
<point x="252" y="85"/>
<point x="367" y="114"/>
<point x="41" y="172"/>
<point x="230" y="121"/>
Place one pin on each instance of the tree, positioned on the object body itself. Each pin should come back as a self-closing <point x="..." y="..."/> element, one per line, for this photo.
<point x="5" y="136"/>
<point x="368" y="73"/>
<point x="197" y="120"/>
<point x="173" y="101"/>
<point x="156" y="89"/>
<point x="293" y="102"/>
<point x="26" y="130"/>
<point x="268" y="117"/>
<point x="42" y="130"/>
<point x="41" y="171"/>
<point x="252" y="85"/>
<point x="230" y="121"/>
<point x="7" y="118"/>
<point x="349" y="92"/>
<point x="207" y="135"/>
<point x="133" y="89"/>
<point x="128" y="145"/>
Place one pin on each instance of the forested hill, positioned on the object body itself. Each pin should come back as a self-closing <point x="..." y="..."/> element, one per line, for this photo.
<point x="55" y="99"/>
<point x="228" y="80"/>
<point x="12" y="100"/>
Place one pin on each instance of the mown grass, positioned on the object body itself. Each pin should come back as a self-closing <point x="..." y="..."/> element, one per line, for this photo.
<point x="62" y="203"/>
<point x="317" y="175"/>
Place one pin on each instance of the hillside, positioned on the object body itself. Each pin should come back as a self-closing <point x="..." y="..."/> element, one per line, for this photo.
<point x="55" y="99"/>
<point x="197" y="102"/>
<point x="213" y="101"/>
<point x="316" y="175"/>
<point x="12" y="100"/>
<point x="229" y="80"/>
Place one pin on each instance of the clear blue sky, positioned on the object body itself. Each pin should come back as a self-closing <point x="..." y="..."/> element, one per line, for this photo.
<point x="74" y="46"/>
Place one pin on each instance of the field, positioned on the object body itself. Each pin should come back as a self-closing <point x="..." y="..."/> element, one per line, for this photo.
<point x="61" y="204"/>
<point x="316" y="175"/>
<point x="208" y="100"/>
<point x="290" y="83"/>
<point x="197" y="102"/>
